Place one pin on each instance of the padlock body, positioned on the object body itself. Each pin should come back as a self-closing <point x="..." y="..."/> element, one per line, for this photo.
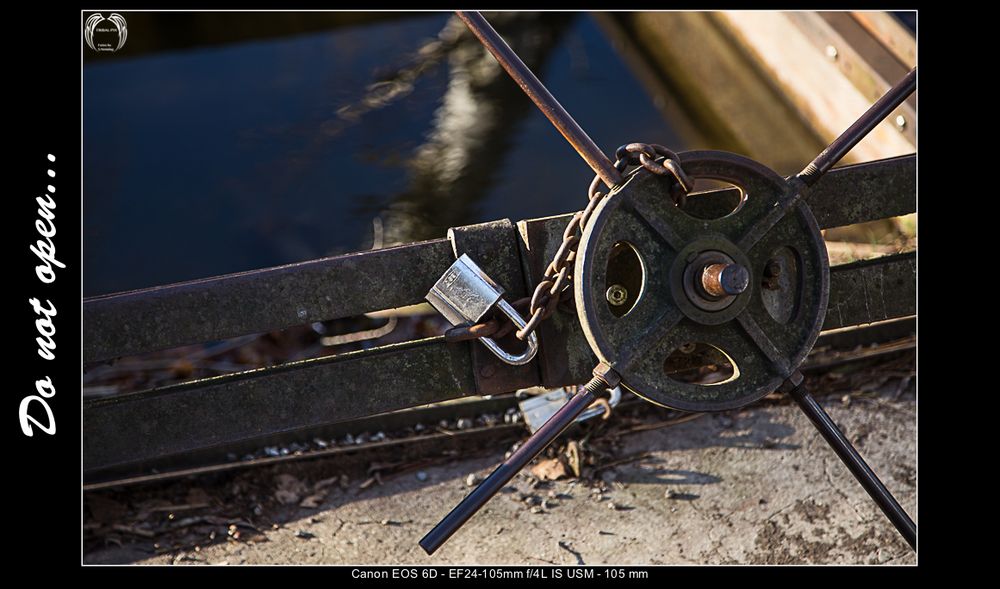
<point x="464" y="294"/>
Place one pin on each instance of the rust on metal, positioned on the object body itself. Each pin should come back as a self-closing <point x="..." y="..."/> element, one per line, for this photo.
<point x="711" y="279"/>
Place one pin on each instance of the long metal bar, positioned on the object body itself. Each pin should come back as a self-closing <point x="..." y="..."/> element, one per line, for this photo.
<point x="872" y="290"/>
<point x="542" y="98"/>
<point x="853" y="345"/>
<point x="212" y="412"/>
<point x="261" y="300"/>
<point x="202" y="414"/>
<point x="341" y="457"/>
<point x="857" y="131"/>
<point x="865" y="192"/>
<point x="846" y="195"/>
<point x="856" y="464"/>
<point x="227" y="306"/>
<point x="531" y="448"/>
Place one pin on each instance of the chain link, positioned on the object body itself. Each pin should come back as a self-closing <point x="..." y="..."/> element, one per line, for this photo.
<point x="554" y="288"/>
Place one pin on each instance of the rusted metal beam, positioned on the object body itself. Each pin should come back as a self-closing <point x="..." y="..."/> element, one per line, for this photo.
<point x="844" y="196"/>
<point x="261" y="300"/>
<point x="865" y="192"/>
<point x="255" y="404"/>
<point x="853" y="342"/>
<point x="205" y="413"/>
<point x="872" y="290"/>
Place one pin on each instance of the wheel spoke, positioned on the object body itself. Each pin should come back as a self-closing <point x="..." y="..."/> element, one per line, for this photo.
<point x="645" y="211"/>
<point x="542" y="98"/>
<point x="637" y="350"/>
<point x="531" y="448"/>
<point x="854" y="462"/>
<point x="768" y="220"/>
<point x="777" y="359"/>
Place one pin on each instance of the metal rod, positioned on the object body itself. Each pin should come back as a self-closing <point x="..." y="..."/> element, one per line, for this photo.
<point x="857" y="465"/>
<point x="532" y="447"/>
<point x="857" y="131"/>
<point x="544" y="100"/>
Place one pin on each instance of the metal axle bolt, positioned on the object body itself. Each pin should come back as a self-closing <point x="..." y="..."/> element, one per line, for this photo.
<point x="720" y="280"/>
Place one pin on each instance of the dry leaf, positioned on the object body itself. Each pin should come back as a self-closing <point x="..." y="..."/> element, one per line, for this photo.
<point x="573" y="457"/>
<point x="550" y="470"/>
<point x="313" y="501"/>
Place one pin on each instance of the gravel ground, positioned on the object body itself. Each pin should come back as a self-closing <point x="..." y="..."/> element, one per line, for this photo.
<point x="756" y="486"/>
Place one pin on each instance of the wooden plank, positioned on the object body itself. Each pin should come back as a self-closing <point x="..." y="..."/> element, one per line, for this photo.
<point x="735" y="105"/>
<point x="894" y="36"/>
<point x="869" y="66"/>
<point x="819" y="92"/>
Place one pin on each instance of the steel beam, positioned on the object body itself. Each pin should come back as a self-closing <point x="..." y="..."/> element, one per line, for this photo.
<point x="261" y="300"/>
<point x="872" y="290"/>
<point x="258" y="403"/>
<point x="844" y="196"/>
<point x="205" y="413"/>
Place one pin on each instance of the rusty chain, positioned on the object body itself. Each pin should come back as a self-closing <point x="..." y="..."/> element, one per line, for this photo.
<point x="554" y="288"/>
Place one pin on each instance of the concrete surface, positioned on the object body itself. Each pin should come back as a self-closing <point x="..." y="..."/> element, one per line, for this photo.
<point x="757" y="486"/>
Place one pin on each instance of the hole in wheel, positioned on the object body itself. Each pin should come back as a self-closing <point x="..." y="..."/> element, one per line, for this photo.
<point x="700" y="363"/>
<point x="781" y="285"/>
<point x="624" y="279"/>
<point x="714" y="199"/>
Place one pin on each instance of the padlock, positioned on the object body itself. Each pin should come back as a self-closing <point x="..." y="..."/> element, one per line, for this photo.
<point x="465" y="294"/>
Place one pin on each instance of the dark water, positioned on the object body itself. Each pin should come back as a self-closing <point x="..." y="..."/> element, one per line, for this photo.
<point x="226" y="158"/>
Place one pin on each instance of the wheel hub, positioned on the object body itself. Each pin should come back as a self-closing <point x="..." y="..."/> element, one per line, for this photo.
<point x="702" y="281"/>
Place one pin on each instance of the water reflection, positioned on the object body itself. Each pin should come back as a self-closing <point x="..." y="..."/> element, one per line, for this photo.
<point x="453" y="169"/>
<point x="232" y="157"/>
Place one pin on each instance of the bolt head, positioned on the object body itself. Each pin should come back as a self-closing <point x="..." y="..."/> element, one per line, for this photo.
<point x="617" y="295"/>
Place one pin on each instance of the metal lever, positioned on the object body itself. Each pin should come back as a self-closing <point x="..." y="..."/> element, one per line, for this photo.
<point x="532" y="447"/>
<point x="854" y="462"/>
<point x="464" y="294"/>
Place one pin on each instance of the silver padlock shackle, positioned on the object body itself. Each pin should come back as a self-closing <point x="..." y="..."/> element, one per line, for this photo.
<point x="525" y="356"/>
